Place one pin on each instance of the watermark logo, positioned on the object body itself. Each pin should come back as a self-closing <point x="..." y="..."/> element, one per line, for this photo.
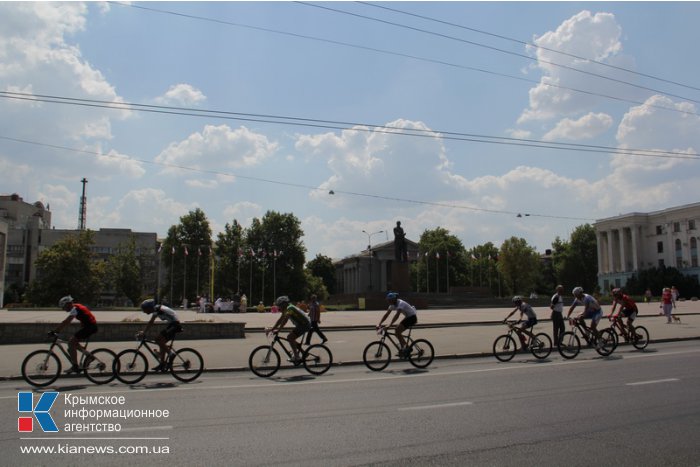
<point x="25" y="404"/>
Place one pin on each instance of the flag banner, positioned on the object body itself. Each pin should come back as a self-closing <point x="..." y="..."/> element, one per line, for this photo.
<point x="172" y="251"/>
<point x="437" y="254"/>
<point x="187" y="253"/>
<point x="199" y="252"/>
<point x="160" y="247"/>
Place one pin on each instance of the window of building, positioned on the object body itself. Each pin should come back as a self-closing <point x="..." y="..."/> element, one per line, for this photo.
<point x="691" y="224"/>
<point x="693" y="252"/>
<point x="661" y="263"/>
<point x="679" y="254"/>
<point x="659" y="247"/>
<point x="676" y="226"/>
<point x="659" y="230"/>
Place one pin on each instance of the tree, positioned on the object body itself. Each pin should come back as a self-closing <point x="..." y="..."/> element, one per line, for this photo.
<point x="124" y="272"/>
<point x="229" y="250"/>
<point x="442" y="261"/>
<point x="655" y="279"/>
<point x="314" y="285"/>
<point x="482" y="270"/>
<point x="518" y="263"/>
<point x="322" y="266"/>
<point x="576" y="261"/>
<point x="68" y="268"/>
<point x="187" y="247"/>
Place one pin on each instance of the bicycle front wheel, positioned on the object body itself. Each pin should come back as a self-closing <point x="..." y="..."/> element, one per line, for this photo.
<point x="264" y="361"/>
<point x="640" y="338"/>
<point x="318" y="359"/>
<point x="130" y="366"/>
<point x="421" y="353"/>
<point x="376" y="356"/>
<point x="504" y="348"/>
<point x="186" y="365"/>
<point x="541" y="346"/>
<point x="605" y="343"/>
<point x="41" y="368"/>
<point x="569" y="345"/>
<point x="100" y="368"/>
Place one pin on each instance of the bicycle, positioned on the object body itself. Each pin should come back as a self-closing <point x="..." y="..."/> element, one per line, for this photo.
<point x="42" y="367"/>
<point x="638" y="336"/>
<point x="131" y="365"/>
<point x="505" y="346"/>
<point x="569" y="344"/>
<point x="377" y="354"/>
<point x="265" y="360"/>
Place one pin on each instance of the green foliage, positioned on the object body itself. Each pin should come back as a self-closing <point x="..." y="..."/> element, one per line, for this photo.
<point x="124" y="272"/>
<point x="322" y="266"/>
<point x="519" y="266"/>
<point x="68" y="267"/>
<point x="483" y="268"/>
<point x="576" y="261"/>
<point x="436" y="270"/>
<point x="655" y="279"/>
<point x="229" y="244"/>
<point x="314" y="285"/>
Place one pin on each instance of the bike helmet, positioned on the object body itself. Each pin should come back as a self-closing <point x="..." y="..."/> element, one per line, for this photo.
<point x="517" y="299"/>
<point x="392" y="296"/>
<point x="282" y="301"/>
<point x="617" y="292"/>
<point x="577" y="291"/>
<point x="65" y="300"/>
<point x="148" y="306"/>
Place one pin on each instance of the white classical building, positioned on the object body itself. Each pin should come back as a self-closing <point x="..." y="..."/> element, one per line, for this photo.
<point x="636" y="241"/>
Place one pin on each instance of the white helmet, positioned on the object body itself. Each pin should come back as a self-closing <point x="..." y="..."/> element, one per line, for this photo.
<point x="577" y="291"/>
<point x="65" y="300"/>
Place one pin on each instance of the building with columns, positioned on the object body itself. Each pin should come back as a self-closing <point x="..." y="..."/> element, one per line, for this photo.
<point x="636" y="241"/>
<point x="370" y="270"/>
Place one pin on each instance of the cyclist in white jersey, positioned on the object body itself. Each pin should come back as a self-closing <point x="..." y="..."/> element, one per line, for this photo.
<point x="591" y="309"/>
<point x="168" y="315"/>
<point x="404" y="308"/>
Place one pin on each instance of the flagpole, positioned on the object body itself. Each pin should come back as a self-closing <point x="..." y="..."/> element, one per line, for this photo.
<point x="184" y="277"/>
<point x="437" y="272"/>
<point x="448" y="271"/>
<point x="427" y="272"/>
<point x="199" y="253"/>
<point x="238" y="273"/>
<point x="172" y="273"/>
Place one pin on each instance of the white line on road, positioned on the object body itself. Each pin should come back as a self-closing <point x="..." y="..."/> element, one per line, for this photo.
<point x="639" y="383"/>
<point x="436" y="406"/>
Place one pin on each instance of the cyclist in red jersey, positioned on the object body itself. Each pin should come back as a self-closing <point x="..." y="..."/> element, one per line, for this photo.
<point x="628" y="308"/>
<point x="89" y="327"/>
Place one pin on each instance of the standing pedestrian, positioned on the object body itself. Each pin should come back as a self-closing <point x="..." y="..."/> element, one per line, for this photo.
<point x="315" y="317"/>
<point x="557" y="306"/>
<point x="647" y="296"/>
<point x="667" y="304"/>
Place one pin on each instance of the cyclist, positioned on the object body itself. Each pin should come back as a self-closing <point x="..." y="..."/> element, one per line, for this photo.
<point x="525" y="309"/>
<point x="628" y="308"/>
<point x="168" y="315"/>
<point x="301" y="322"/>
<point x="88" y="328"/>
<point x="404" y="308"/>
<point x="591" y="309"/>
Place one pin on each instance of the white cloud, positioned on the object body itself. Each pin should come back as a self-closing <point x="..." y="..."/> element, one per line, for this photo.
<point x="182" y="94"/>
<point x="587" y="127"/>
<point x="243" y="212"/>
<point x="216" y="147"/>
<point x="150" y="207"/>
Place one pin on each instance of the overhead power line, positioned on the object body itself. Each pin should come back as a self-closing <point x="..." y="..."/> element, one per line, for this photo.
<point x="530" y="44"/>
<point x="339" y="125"/>
<point x="332" y="191"/>
<point x="404" y="55"/>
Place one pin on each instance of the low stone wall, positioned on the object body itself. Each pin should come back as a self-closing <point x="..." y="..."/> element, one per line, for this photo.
<point x="33" y="333"/>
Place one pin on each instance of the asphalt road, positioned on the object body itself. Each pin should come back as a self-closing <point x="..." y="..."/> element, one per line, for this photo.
<point x="631" y="409"/>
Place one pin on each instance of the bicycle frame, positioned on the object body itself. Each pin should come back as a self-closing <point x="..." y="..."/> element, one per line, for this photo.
<point x="58" y="342"/>
<point x="386" y="335"/>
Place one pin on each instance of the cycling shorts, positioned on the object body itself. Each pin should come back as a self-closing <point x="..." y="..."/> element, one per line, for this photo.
<point x="85" y="332"/>
<point x="409" y="321"/>
<point x="171" y="329"/>
<point x="529" y="322"/>
<point x="300" y="329"/>
<point x="593" y="315"/>
<point x="630" y="313"/>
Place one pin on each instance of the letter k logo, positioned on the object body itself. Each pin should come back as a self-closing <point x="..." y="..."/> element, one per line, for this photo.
<point x="25" y="403"/>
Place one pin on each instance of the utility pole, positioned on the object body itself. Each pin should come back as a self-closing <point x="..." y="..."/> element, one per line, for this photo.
<point x="82" y="215"/>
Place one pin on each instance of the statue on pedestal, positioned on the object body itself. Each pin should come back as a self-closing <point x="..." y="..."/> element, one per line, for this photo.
<point x="400" y="247"/>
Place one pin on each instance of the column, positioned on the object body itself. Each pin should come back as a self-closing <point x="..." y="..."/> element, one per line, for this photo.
<point x="611" y="261"/>
<point x="635" y="248"/>
<point x="623" y="255"/>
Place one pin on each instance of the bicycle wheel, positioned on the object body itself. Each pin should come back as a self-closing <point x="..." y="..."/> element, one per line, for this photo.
<point x="613" y="335"/>
<point x="504" y="348"/>
<point x="264" y="361"/>
<point x="541" y="347"/>
<point x="130" y="366"/>
<point x="640" y="338"/>
<point x="421" y="353"/>
<point x="41" y="368"/>
<point x="100" y="370"/>
<point x="569" y="345"/>
<point x="605" y="343"/>
<point x="186" y="364"/>
<point x="317" y="359"/>
<point x="376" y="355"/>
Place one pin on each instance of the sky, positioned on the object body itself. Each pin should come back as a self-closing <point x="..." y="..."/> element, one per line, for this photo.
<point x="352" y="116"/>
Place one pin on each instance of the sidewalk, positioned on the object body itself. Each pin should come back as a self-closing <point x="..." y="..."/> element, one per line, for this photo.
<point x="453" y="332"/>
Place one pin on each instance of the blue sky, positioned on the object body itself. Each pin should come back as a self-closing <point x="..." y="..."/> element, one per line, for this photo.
<point x="287" y="59"/>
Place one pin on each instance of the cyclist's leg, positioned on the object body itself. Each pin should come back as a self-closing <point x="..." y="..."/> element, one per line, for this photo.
<point x="399" y="335"/>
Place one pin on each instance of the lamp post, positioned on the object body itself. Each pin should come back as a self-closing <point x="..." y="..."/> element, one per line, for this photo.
<point x="369" y="250"/>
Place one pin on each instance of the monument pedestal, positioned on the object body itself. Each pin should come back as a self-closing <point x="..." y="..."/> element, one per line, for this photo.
<point x="400" y="277"/>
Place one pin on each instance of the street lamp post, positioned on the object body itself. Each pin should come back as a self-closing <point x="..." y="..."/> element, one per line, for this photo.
<point x="369" y="250"/>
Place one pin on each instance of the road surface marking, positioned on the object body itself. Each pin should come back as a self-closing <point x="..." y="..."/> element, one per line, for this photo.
<point x="435" y="406"/>
<point x="639" y="383"/>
